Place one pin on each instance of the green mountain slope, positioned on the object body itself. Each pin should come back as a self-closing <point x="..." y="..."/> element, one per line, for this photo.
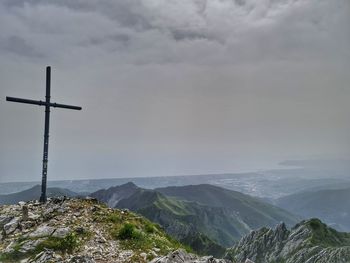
<point x="252" y="211"/>
<point x="331" y="206"/>
<point x="201" y="214"/>
<point x="182" y="220"/>
<point x="310" y="241"/>
<point x="34" y="194"/>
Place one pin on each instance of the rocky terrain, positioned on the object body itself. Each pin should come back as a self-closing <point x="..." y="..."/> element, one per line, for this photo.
<point x="83" y="230"/>
<point x="181" y="256"/>
<point x="310" y="241"/>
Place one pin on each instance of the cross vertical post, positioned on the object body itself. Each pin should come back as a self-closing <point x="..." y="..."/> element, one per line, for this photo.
<point x="43" y="197"/>
<point x="47" y="103"/>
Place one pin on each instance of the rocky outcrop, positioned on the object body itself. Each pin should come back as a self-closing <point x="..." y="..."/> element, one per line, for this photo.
<point x="80" y="231"/>
<point x="308" y="242"/>
<point x="181" y="256"/>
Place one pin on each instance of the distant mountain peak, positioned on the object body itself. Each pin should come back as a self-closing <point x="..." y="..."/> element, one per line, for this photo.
<point x="113" y="195"/>
<point x="129" y="184"/>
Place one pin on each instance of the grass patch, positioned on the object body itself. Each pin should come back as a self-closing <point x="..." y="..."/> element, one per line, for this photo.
<point x="14" y="256"/>
<point x="114" y="218"/>
<point x="66" y="244"/>
<point x="149" y="228"/>
<point x="128" y="231"/>
<point x="139" y="234"/>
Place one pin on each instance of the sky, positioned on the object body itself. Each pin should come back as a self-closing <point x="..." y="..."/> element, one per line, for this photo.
<point x="173" y="87"/>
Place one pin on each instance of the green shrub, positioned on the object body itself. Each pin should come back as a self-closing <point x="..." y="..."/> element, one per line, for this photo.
<point x="128" y="231"/>
<point x="315" y="224"/>
<point x="149" y="228"/>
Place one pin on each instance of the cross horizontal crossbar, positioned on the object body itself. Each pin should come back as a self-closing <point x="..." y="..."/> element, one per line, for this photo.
<point x="43" y="103"/>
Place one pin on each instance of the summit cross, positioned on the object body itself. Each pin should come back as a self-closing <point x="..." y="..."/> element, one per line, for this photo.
<point x="48" y="104"/>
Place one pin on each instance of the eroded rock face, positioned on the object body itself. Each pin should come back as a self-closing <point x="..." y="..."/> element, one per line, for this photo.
<point x="298" y="245"/>
<point x="181" y="256"/>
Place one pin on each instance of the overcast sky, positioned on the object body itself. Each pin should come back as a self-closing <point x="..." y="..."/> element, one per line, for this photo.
<point x="173" y="87"/>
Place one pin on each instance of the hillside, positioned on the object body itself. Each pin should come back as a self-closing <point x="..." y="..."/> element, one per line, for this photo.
<point x="205" y="217"/>
<point x="310" y="241"/>
<point x="253" y="211"/>
<point x="178" y="218"/>
<point x="113" y="195"/>
<point x="331" y="206"/>
<point x="81" y="230"/>
<point x="34" y="193"/>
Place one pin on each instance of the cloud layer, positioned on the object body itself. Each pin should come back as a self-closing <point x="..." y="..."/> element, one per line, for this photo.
<point x="174" y="87"/>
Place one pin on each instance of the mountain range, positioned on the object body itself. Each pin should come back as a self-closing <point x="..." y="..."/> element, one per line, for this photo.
<point x="207" y="218"/>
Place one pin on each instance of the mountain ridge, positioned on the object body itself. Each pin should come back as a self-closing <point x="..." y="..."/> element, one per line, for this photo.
<point x="205" y="215"/>
<point x="309" y="241"/>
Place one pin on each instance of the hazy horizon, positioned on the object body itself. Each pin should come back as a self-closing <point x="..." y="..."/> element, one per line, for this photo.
<point x="173" y="88"/>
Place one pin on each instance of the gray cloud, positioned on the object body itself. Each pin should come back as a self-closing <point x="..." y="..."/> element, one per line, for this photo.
<point x="18" y="45"/>
<point x="174" y="87"/>
<point x="251" y="28"/>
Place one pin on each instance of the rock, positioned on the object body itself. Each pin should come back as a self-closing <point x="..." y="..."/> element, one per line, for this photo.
<point x="29" y="245"/>
<point x="10" y="247"/>
<point x="4" y="220"/>
<point x="27" y="225"/>
<point x="80" y="230"/>
<point x="291" y="246"/>
<point x="11" y="226"/>
<point x="33" y="217"/>
<point x="181" y="256"/>
<point x="24" y="213"/>
<point x="59" y="200"/>
<point x="153" y="254"/>
<point x="61" y="232"/>
<point x="81" y="259"/>
<point x="46" y="256"/>
<point x="92" y="240"/>
<point x="42" y="231"/>
<point x="144" y="255"/>
<point x="248" y="261"/>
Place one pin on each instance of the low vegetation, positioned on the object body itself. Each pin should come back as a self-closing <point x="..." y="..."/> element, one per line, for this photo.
<point x="65" y="245"/>
<point x="325" y="236"/>
<point x="137" y="233"/>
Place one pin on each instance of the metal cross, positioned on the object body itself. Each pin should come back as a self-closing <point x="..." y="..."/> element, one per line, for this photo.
<point x="47" y="103"/>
